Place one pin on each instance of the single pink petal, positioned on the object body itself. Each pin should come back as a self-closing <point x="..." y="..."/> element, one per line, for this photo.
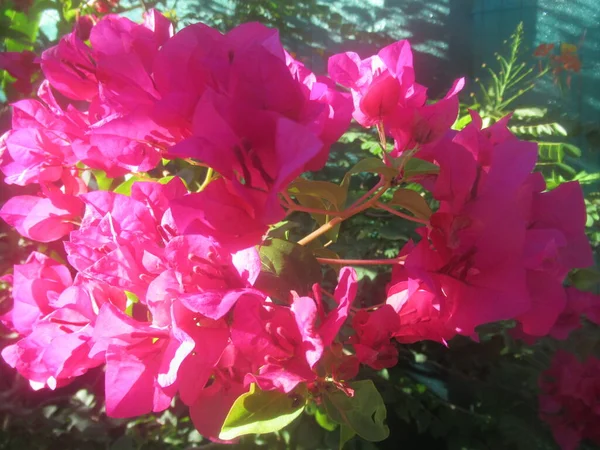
<point x="345" y="292"/>
<point x="343" y="68"/>
<point x="305" y="314"/>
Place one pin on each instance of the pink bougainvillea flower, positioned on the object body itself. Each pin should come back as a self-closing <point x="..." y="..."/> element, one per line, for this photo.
<point x="123" y="144"/>
<point x="83" y="26"/>
<point x="379" y="83"/>
<point x="255" y="120"/>
<point x="414" y="127"/>
<point x="372" y="341"/>
<point x="214" y="401"/>
<point x="56" y="348"/>
<point x="260" y="152"/>
<point x="568" y="247"/>
<point x="554" y="245"/>
<point x="175" y="351"/>
<point x="43" y="219"/>
<point x="422" y="311"/>
<point x="22" y="66"/>
<point x="135" y="353"/>
<point x="569" y="400"/>
<point x="285" y="343"/>
<point x="36" y="286"/>
<point x="38" y="148"/>
<point x="124" y="52"/>
<point x="121" y="240"/>
<point x="269" y="335"/>
<point x="70" y="68"/>
<point x="384" y="92"/>
<point x="210" y="279"/>
<point x="217" y="212"/>
<point x="471" y="256"/>
<point x="328" y="113"/>
<point x="578" y="304"/>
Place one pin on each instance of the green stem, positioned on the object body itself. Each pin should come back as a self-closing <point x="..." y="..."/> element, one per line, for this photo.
<point x="207" y="179"/>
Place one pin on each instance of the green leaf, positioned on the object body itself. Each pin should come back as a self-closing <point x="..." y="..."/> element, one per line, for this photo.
<point x="334" y="195"/>
<point x="346" y="433"/>
<point x="287" y="266"/>
<point x="259" y="412"/>
<point x="371" y="165"/>
<point x="461" y="122"/>
<point x="21" y="26"/>
<point x="413" y="202"/>
<point x="364" y="413"/>
<point x="165" y="180"/>
<point x="324" y="421"/>
<point x="585" y="279"/>
<point x="132" y="299"/>
<point x="125" y="187"/>
<point x="104" y="183"/>
<point x="320" y="195"/>
<point x="556" y="151"/>
<point x="416" y="166"/>
<point x="587" y="178"/>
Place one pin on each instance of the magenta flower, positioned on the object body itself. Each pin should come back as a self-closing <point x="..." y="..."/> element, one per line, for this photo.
<point x="385" y="92"/>
<point x="70" y="68"/>
<point x="57" y="331"/>
<point x="36" y="286"/>
<point x="43" y="219"/>
<point x="570" y="400"/>
<point x="285" y="344"/>
<point x="22" y="66"/>
<point x="218" y="212"/>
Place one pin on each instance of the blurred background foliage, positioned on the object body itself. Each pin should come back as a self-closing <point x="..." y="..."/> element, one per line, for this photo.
<point x="469" y="396"/>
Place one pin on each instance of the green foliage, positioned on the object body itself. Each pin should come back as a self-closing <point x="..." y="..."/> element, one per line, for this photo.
<point x="411" y="201"/>
<point x="370" y="165"/>
<point x="321" y="195"/>
<point x="287" y="267"/>
<point x="513" y="79"/>
<point x="363" y="414"/>
<point x="558" y="158"/>
<point x="259" y="412"/>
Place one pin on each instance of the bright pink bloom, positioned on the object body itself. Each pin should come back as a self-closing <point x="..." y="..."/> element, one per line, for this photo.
<point x="36" y="286"/>
<point x="177" y="350"/>
<point x="218" y="212"/>
<point x="124" y="53"/>
<point x="471" y="256"/>
<point x="555" y="244"/>
<point x="83" y="26"/>
<point x="384" y="92"/>
<point x="422" y="314"/>
<point x="255" y="120"/>
<point x="38" y="148"/>
<point x="214" y="401"/>
<point x="22" y="66"/>
<point x="559" y="216"/>
<point x="55" y="346"/>
<point x="70" y="68"/>
<point x="372" y="341"/>
<point x="43" y="219"/>
<point x="328" y="114"/>
<point x="121" y="240"/>
<point x="570" y="400"/>
<point x="286" y="343"/>
<point x="207" y="279"/>
<point x="578" y="304"/>
<point x="259" y="151"/>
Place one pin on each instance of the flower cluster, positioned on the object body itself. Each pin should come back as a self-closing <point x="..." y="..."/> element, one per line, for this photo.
<point x="162" y="282"/>
<point x="570" y="399"/>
